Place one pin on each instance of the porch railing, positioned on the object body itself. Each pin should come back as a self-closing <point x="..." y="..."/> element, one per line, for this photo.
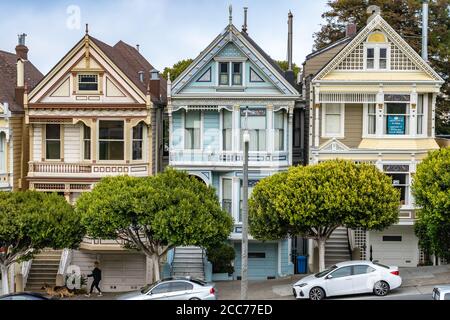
<point x="225" y="157"/>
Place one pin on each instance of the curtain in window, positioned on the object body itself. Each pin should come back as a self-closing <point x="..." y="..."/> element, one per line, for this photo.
<point x="227" y="190"/>
<point x="138" y="138"/>
<point x="372" y="120"/>
<point x="87" y="142"/>
<point x="332" y="119"/>
<point x="279" y="130"/>
<point x="192" y="130"/>
<point x="53" y="141"/>
<point x="257" y="130"/>
<point x="420" y="114"/>
<point x="227" y="130"/>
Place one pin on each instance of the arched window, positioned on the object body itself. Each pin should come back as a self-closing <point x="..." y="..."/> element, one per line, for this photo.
<point x="377" y="52"/>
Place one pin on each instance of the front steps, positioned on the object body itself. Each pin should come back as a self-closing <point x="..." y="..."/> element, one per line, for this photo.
<point x="44" y="269"/>
<point x="188" y="261"/>
<point x="336" y="247"/>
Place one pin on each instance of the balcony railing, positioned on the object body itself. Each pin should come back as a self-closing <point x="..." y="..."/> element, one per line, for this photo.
<point x="226" y="157"/>
<point x="98" y="169"/>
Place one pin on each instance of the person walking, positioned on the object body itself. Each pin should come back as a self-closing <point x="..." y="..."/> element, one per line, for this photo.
<point x="97" y="275"/>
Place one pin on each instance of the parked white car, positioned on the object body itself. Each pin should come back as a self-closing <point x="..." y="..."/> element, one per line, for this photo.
<point x="441" y="293"/>
<point x="345" y="278"/>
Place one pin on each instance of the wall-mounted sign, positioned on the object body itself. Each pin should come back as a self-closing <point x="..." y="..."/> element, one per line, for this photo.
<point x="259" y="112"/>
<point x="396" y="124"/>
<point x="397" y="97"/>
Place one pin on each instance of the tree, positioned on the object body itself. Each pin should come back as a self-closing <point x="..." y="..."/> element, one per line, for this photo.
<point x="31" y="221"/>
<point x="284" y="66"/>
<point x="313" y="201"/>
<point x="176" y="69"/>
<point x="405" y="17"/>
<point x="221" y="257"/>
<point x="154" y="214"/>
<point x="431" y="190"/>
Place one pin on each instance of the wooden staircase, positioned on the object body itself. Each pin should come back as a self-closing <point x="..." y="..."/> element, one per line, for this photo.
<point x="337" y="247"/>
<point x="44" y="269"/>
<point x="188" y="261"/>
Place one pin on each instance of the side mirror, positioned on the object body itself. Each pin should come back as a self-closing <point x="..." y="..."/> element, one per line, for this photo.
<point x="329" y="277"/>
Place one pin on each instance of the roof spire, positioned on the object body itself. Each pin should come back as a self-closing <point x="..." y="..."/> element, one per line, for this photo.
<point x="87" y="28"/>
<point x="230" y="9"/>
<point x="244" y="27"/>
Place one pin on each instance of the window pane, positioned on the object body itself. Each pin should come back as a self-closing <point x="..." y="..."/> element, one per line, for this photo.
<point x="370" y="63"/>
<point x="372" y="124"/>
<point x="224" y="67"/>
<point x="162" y="288"/>
<point x="88" y="82"/>
<point x="53" y="149"/>
<point x="111" y="150"/>
<point x="383" y="63"/>
<point x="227" y="195"/>
<point x="279" y="120"/>
<point x="87" y="149"/>
<point x="370" y="53"/>
<point x="279" y="140"/>
<point x="52" y="131"/>
<point x="193" y="119"/>
<point x="333" y="124"/>
<point x="86" y="132"/>
<point x="396" y="108"/>
<point x="383" y="53"/>
<point x="342" y="272"/>
<point x="138" y="132"/>
<point x="361" y="269"/>
<point x="137" y="150"/>
<point x="333" y="109"/>
<point x="112" y="130"/>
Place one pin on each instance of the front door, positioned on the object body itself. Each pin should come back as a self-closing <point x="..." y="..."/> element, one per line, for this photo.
<point x="340" y="282"/>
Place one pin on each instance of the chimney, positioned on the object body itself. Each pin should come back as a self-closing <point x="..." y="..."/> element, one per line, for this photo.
<point x="289" y="74"/>
<point x="137" y="48"/>
<point x="350" y="30"/>
<point x="244" y="27"/>
<point x="21" y="48"/>
<point x="425" y="30"/>
<point x="155" y="88"/>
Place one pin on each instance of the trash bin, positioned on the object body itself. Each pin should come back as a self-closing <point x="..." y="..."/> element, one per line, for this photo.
<point x="302" y="264"/>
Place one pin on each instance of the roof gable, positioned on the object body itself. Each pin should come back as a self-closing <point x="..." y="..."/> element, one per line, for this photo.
<point x="403" y="56"/>
<point x="232" y="43"/>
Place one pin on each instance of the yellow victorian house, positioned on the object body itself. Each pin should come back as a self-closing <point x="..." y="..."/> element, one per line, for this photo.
<point x="373" y="100"/>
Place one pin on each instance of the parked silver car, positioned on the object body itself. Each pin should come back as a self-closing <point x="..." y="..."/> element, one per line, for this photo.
<point x="441" y="293"/>
<point x="174" y="289"/>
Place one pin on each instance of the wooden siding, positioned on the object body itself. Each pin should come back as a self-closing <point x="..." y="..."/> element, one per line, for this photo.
<point x="353" y="125"/>
<point x="72" y="147"/>
<point x="258" y="268"/>
<point x="316" y="63"/>
<point x="20" y="152"/>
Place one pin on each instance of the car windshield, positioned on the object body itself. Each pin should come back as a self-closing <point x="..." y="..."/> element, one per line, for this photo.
<point x="147" y="287"/>
<point x="325" y="272"/>
<point x="198" y="281"/>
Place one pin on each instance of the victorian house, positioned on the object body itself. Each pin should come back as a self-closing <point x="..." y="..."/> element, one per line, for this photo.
<point x="372" y="99"/>
<point x="232" y="85"/>
<point x="94" y="115"/>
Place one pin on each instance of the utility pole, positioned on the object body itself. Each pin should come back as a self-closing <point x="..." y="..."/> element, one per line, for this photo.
<point x="244" y="268"/>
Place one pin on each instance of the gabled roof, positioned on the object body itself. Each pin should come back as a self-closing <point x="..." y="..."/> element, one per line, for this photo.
<point x="127" y="59"/>
<point x="8" y="79"/>
<point x="243" y="41"/>
<point x="379" y="23"/>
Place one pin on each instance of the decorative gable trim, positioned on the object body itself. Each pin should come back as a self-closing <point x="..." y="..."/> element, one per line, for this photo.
<point x="206" y="76"/>
<point x="334" y="145"/>
<point x="232" y="35"/>
<point x="378" y="23"/>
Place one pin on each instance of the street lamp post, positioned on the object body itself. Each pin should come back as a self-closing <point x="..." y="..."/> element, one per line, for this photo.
<point x="244" y="276"/>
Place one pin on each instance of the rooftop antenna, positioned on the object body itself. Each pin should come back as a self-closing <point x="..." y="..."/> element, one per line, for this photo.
<point x="244" y="27"/>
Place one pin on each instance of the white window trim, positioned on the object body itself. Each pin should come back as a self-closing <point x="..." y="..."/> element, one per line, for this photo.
<point x="61" y="144"/>
<point x="82" y="143"/>
<point x="409" y="204"/>
<point x="230" y="73"/>
<point x="411" y="128"/>
<point x="285" y="129"/>
<point x="377" y="47"/>
<point x="144" y="143"/>
<point x="97" y="134"/>
<point x="221" y="193"/>
<point x="341" y="134"/>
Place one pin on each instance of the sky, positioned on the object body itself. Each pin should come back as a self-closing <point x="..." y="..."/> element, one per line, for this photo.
<point x="166" y="30"/>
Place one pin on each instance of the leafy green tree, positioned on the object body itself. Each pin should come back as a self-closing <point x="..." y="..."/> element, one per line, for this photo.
<point x="405" y="16"/>
<point x="221" y="257"/>
<point x="154" y="214"/>
<point x="431" y="190"/>
<point x="31" y="221"/>
<point x="284" y="66"/>
<point x="176" y="69"/>
<point x="313" y="201"/>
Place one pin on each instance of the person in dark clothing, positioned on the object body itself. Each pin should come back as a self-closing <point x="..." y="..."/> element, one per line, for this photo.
<point x="97" y="275"/>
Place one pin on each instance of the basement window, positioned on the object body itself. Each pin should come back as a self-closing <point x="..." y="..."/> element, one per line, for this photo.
<point x="392" y="238"/>
<point x="257" y="255"/>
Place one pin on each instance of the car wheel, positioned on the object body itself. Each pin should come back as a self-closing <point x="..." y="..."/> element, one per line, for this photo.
<point x="316" y="293"/>
<point x="381" y="288"/>
<point x="194" y="298"/>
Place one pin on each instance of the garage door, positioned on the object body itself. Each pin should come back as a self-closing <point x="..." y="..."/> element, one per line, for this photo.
<point x="262" y="260"/>
<point x="397" y="246"/>
<point x="122" y="272"/>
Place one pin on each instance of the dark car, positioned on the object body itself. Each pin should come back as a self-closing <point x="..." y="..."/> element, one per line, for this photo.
<point x="23" y="296"/>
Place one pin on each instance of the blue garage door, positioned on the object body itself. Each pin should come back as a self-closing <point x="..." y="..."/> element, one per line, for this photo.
<point x="262" y="260"/>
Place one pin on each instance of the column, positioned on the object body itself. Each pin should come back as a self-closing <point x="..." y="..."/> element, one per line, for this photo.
<point x="270" y="129"/>
<point x="127" y="137"/>
<point x="236" y="128"/>
<point x="94" y="139"/>
<point x="316" y="125"/>
<point x="236" y="197"/>
<point x="413" y="112"/>
<point x="290" y="129"/>
<point x="380" y="112"/>
<point x="433" y="116"/>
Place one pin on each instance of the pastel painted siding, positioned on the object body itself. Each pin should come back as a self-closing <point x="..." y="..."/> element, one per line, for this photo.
<point x="37" y="143"/>
<point x="287" y="267"/>
<point x="353" y="125"/>
<point x="177" y="130"/>
<point x="211" y="131"/>
<point x="258" y="268"/>
<point x="72" y="152"/>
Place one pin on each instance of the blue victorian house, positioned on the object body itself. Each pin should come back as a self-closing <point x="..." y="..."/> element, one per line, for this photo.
<point x="207" y="104"/>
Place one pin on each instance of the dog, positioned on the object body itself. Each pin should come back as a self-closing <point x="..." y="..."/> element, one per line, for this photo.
<point x="61" y="291"/>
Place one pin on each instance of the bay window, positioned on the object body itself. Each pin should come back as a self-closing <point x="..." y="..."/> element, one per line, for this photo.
<point x="396" y="119"/>
<point x="111" y="140"/>
<point x="279" y="130"/>
<point x="227" y="130"/>
<point x="86" y="142"/>
<point x="53" y="141"/>
<point x="138" y="139"/>
<point x="333" y="120"/>
<point x="192" y="130"/>
<point x="256" y="124"/>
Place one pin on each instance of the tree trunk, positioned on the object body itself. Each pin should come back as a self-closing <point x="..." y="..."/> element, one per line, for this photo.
<point x="321" y="245"/>
<point x="155" y="261"/>
<point x="5" y="276"/>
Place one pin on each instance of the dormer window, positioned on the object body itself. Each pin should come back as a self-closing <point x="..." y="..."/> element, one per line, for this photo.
<point x="376" y="52"/>
<point x="230" y="73"/>
<point x="87" y="82"/>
